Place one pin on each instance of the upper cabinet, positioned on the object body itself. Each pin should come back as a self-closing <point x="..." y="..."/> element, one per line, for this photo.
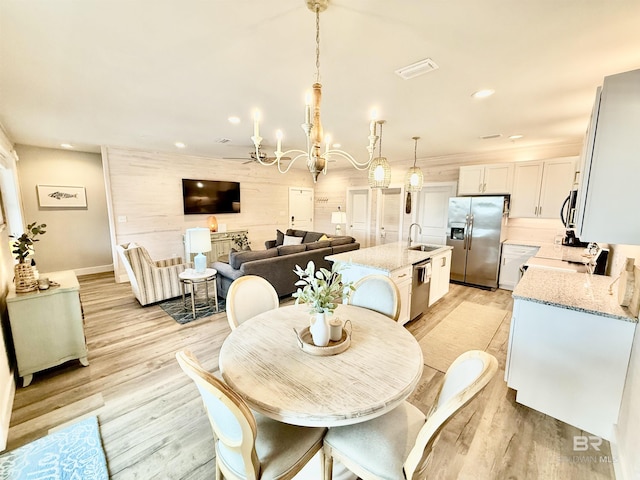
<point x="485" y="179"/>
<point x="610" y="172"/>
<point x="540" y="188"/>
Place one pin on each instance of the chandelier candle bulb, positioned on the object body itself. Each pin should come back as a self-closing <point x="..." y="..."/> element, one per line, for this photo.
<point x="256" y="124"/>
<point x="279" y="138"/>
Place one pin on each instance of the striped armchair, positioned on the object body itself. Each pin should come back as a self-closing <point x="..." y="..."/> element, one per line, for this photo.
<point x="151" y="281"/>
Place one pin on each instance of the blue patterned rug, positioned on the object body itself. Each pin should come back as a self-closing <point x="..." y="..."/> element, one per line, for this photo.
<point x="74" y="453"/>
<point x="175" y="308"/>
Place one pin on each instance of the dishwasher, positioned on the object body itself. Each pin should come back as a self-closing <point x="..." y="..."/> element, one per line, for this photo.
<point x="420" y="283"/>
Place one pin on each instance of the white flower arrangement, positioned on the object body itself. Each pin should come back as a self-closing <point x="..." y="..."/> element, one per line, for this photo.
<point x="323" y="290"/>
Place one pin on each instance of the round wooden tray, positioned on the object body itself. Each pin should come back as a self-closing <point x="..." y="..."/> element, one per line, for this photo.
<point x="306" y="342"/>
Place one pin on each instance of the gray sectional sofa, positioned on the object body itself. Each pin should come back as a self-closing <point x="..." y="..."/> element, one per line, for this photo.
<point x="277" y="262"/>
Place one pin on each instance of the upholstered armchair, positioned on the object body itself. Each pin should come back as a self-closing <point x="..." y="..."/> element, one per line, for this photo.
<point x="151" y="281"/>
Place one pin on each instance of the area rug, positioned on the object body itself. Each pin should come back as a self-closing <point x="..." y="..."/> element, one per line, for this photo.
<point x="471" y="326"/>
<point x="175" y="309"/>
<point x="73" y="453"/>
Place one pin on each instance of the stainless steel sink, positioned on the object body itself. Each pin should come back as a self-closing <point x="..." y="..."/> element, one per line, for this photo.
<point x="425" y="248"/>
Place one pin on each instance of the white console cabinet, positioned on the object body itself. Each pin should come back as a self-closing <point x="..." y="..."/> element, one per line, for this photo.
<point x="47" y="325"/>
<point x="221" y="245"/>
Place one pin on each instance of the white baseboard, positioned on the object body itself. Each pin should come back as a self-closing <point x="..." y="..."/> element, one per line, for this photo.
<point x="96" y="269"/>
<point x="6" y="405"/>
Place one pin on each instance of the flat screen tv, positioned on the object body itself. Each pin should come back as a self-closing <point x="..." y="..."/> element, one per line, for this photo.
<point x="210" y="196"/>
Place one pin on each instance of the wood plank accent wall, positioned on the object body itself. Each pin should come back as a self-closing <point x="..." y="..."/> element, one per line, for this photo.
<point x="146" y="188"/>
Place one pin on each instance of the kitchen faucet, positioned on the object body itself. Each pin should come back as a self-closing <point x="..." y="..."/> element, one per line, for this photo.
<point x="419" y="229"/>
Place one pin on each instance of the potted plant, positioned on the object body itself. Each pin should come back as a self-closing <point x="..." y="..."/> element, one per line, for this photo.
<point x="22" y="248"/>
<point x="321" y="291"/>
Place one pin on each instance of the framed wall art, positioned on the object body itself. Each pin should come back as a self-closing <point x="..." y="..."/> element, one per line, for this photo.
<point x="56" y="196"/>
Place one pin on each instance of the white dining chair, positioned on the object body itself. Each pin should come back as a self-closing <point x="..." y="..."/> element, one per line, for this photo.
<point x="248" y="445"/>
<point x="249" y="296"/>
<point x="398" y="444"/>
<point x="379" y="293"/>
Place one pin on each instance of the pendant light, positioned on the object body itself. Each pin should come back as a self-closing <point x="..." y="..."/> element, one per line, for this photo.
<point x="414" y="179"/>
<point x="380" y="170"/>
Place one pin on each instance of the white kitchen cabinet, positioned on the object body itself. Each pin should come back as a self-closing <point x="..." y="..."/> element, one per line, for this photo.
<point x="485" y="179"/>
<point x="440" y="273"/>
<point x="569" y="364"/>
<point x="402" y="279"/>
<point x="513" y="256"/>
<point x="610" y="168"/>
<point x="540" y="187"/>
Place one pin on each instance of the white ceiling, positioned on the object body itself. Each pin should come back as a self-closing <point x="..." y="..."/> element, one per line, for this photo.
<point x="145" y="74"/>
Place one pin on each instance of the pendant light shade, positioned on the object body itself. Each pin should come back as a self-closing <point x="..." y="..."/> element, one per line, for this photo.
<point x="380" y="170"/>
<point x="414" y="179"/>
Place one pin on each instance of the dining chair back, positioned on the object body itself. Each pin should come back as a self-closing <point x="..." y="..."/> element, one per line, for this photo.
<point x="398" y="445"/>
<point x="379" y="293"/>
<point x="249" y="296"/>
<point x="248" y="445"/>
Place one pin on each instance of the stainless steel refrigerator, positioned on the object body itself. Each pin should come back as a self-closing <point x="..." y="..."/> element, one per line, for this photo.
<point x="475" y="231"/>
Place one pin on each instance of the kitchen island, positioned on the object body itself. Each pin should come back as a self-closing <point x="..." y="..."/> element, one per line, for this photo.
<point x="569" y="348"/>
<point x="397" y="261"/>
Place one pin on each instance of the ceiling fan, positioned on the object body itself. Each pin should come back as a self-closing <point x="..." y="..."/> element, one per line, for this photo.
<point x="252" y="157"/>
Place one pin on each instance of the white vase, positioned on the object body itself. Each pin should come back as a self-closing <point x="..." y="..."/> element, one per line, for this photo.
<point x="320" y="330"/>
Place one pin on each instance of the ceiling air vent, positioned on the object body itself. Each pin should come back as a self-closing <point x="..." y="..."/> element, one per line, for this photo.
<point x="222" y="140"/>
<point x="489" y="137"/>
<point x="416" y="69"/>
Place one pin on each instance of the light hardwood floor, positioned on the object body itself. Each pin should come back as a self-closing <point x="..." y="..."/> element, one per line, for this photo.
<point x="153" y="424"/>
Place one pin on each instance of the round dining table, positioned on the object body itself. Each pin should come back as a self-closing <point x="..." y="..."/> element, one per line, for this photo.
<point x="262" y="360"/>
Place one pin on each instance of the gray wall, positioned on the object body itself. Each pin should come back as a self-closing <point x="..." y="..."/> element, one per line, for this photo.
<point x="76" y="239"/>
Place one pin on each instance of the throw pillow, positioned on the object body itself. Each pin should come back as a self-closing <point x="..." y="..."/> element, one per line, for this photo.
<point x="312" y="237"/>
<point x="289" y="240"/>
<point x="323" y="237"/>
<point x="279" y="237"/>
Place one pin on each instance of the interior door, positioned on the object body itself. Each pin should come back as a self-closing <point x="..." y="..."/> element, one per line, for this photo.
<point x="433" y="212"/>
<point x="390" y="215"/>
<point x="358" y="212"/>
<point x="301" y="208"/>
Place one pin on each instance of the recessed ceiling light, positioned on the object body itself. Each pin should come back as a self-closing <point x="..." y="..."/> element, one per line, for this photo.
<point x="515" y="137"/>
<point x="487" y="92"/>
<point x="235" y="120"/>
<point x="179" y="144"/>
<point x="66" y="145"/>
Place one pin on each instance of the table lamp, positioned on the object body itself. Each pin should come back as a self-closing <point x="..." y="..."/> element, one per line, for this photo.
<point x="338" y="218"/>
<point x="198" y="240"/>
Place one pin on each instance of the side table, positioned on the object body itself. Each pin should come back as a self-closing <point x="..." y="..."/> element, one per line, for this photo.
<point x="190" y="278"/>
<point x="47" y="325"/>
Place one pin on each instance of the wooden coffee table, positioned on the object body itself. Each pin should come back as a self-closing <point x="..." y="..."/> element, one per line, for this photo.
<point x="191" y="278"/>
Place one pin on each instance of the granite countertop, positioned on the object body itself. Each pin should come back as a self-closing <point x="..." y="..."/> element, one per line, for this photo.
<point x="388" y="257"/>
<point x="579" y="292"/>
<point x="551" y="255"/>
